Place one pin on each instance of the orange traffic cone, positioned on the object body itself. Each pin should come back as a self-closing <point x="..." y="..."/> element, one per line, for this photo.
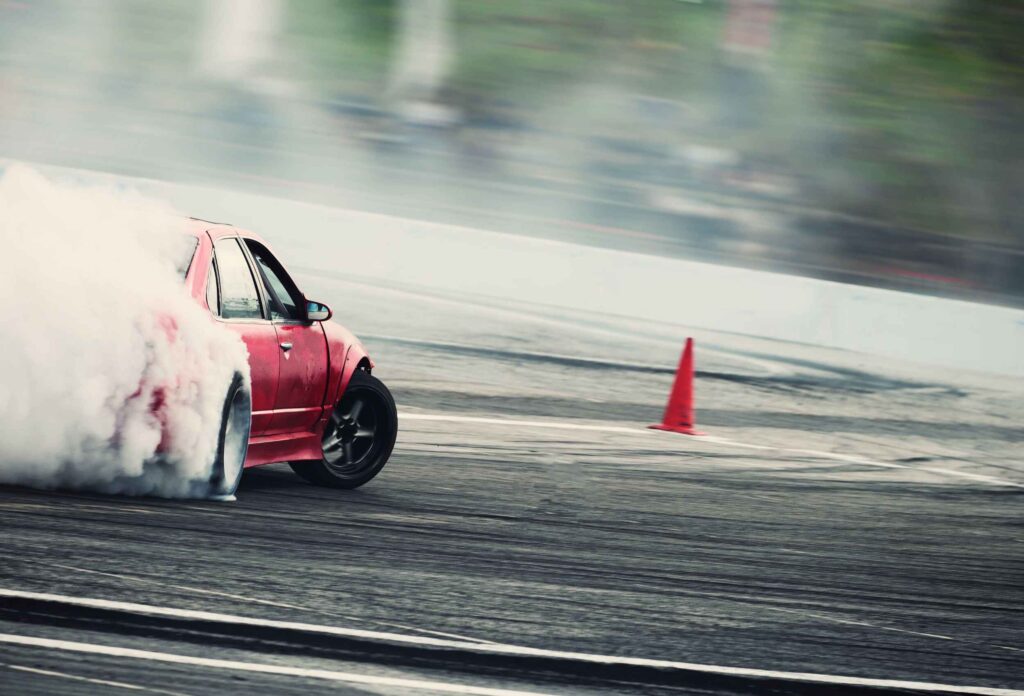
<point x="678" y="416"/>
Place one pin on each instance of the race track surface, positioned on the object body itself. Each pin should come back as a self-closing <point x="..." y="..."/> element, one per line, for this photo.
<point x="845" y="519"/>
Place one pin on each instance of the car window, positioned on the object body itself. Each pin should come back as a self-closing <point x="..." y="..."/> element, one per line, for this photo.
<point x="284" y="298"/>
<point x="184" y="252"/>
<point x="211" y="290"/>
<point x="238" y="296"/>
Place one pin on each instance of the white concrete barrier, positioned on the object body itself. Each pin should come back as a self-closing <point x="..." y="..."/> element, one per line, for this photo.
<point x="941" y="332"/>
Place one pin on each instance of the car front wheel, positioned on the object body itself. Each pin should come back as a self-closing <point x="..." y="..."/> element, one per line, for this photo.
<point x="358" y="438"/>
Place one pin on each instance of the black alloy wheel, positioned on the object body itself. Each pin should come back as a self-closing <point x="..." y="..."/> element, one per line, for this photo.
<point x="359" y="437"/>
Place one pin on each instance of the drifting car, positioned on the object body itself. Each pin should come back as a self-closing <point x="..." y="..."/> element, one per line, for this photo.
<point x="312" y="401"/>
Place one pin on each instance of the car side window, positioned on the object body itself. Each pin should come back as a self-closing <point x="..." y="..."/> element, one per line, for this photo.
<point x="212" y="293"/>
<point x="238" y="296"/>
<point x="284" y="299"/>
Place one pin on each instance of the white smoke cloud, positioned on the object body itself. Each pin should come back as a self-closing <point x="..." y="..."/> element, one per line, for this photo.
<point x="98" y="328"/>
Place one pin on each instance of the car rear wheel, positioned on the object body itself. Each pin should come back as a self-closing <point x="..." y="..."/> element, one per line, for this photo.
<point x="232" y="442"/>
<point x="358" y="438"/>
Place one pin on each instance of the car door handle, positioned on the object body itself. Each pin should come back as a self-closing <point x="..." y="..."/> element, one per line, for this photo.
<point x="286" y="347"/>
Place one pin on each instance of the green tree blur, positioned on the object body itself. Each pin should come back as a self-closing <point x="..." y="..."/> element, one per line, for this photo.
<point x="902" y="112"/>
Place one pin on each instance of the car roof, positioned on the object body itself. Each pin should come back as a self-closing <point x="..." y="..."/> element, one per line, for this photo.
<point x="216" y="230"/>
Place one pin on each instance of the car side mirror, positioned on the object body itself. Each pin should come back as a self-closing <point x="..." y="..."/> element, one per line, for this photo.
<point x="318" y="311"/>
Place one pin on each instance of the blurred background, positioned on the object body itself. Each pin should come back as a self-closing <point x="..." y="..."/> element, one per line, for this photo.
<point x="866" y="141"/>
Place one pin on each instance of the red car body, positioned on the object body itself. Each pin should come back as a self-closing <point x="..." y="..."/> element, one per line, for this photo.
<point x="299" y="369"/>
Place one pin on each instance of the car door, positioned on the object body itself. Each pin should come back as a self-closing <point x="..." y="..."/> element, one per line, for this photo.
<point x="234" y="299"/>
<point x="302" y="380"/>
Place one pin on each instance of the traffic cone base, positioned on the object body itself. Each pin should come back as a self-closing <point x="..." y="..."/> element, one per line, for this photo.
<point x="679" y="416"/>
<point x="682" y="429"/>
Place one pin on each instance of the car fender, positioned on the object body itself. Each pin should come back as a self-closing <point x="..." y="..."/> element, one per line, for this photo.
<point x="356" y="359"/>
<point x="346" y="354"/>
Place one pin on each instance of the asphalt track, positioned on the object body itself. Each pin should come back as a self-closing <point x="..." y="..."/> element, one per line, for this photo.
<point x="847" y="520"/>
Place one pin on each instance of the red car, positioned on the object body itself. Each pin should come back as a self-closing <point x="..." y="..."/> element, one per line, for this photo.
<point x="312" y="401"/>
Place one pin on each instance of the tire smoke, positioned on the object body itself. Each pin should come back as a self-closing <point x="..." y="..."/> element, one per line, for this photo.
<point x="111" y="377"/>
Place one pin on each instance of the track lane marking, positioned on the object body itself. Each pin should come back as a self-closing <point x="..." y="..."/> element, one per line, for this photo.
<point x="91" y="680"/>
<point x="868" y="624"/>
<point x="864" y="461"/>
<point x="713" y="439"/>
<point x="495" y="648"/>
<point x="265" y="602"/>
<point x="261" y="668"/>
<point x="459" y="637"/>
<point x="154" y="610"/>
<point x="558" y="425"/>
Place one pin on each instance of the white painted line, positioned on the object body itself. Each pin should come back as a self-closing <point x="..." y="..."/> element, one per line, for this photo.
<point x="821" y="454"/>
<point x="853" y="459"/>
<point x="254" y="600"/>
<point x="726" y="441"/>
<point x="454" y="636"/>
<point x="152" y="610"/>
<point x="262" y="668"/>
<point x="914" y="633"/>
<point x="497" y="648"/>
<point x="197" y="590"/>
<point x="852" y="622"/>
<point x="90" y="680"/>
<point x="511" y="422"/>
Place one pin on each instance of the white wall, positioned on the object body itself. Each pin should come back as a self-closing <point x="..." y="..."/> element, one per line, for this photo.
<point x="945" y="333"/>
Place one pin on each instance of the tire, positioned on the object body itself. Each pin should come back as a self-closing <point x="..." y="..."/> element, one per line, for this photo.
<point x="232" y="442"/>
<point x="358" y="438"/>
